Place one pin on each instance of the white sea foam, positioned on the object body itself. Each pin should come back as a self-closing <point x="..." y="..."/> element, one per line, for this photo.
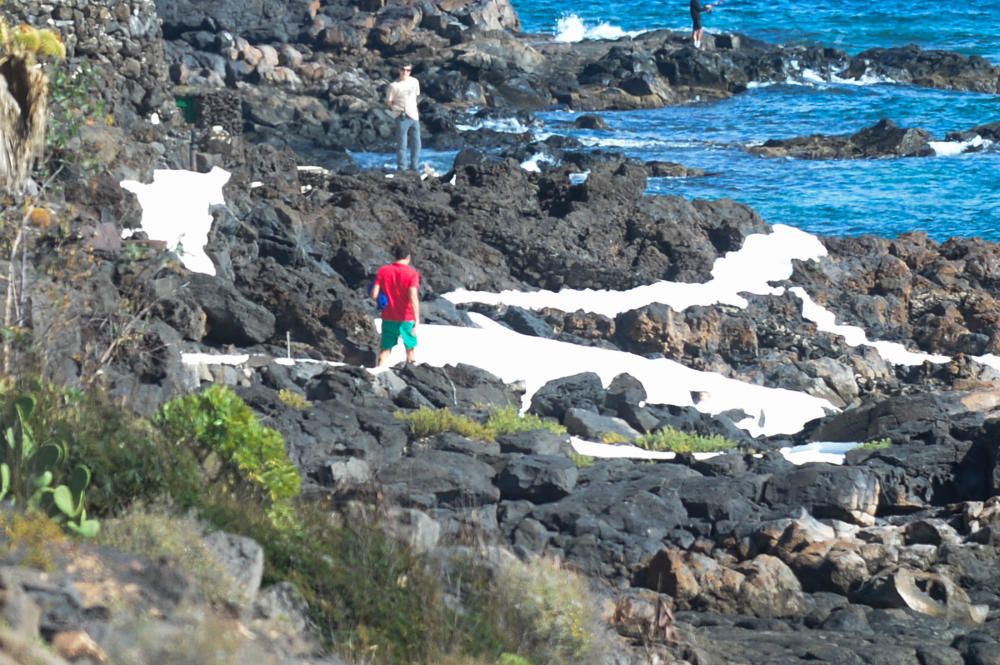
<point x="619" y="142"/>
<point x="893" y="352"/>
<point x="571" y="28"/>
<point x="535" y="361"/>
<point x="990" y="360"/>
<point x="820" y="451"/>
<point x="505" y="125"/>
<point x="162" y="207"/>
<point x="531" y="164"/>
<point x="952" y="148"/>
<point x="806" y="76"/>
<point x="868" y="78"/>
<point x="737" y="272"/>
<point x="824" y="451"/>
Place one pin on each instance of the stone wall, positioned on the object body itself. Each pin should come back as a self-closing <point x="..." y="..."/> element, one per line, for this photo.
<point x="121" y="39"/>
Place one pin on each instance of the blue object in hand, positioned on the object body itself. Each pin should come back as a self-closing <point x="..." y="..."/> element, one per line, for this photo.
<point x="383" y="301"/>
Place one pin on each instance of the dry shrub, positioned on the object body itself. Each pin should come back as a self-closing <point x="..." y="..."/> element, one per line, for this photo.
<point x="190" y="639"/>
<point x="30" y="538"/>
<point x="533" y="612"/>
<point x="550" y="609"/>
<point x="155" y="533"/>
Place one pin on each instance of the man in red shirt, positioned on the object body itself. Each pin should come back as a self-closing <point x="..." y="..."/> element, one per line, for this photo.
<point x="399" y="281"/>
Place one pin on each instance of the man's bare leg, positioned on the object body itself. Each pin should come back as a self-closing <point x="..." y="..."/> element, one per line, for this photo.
<point x="411" y="355"/>
<point x="383" y="357"/>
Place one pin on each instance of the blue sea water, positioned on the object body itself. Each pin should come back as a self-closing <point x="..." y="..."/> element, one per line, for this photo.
<point x="945" y="196"/>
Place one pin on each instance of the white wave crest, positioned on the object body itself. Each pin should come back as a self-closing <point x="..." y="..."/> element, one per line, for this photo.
<point x="799" y="75"/>
<point x="952" y="148"/>
<point x="531" y="164"/>
<point x="505" y="125"/>
<point x="606" y="142"/>
<point x="571" y="28"/>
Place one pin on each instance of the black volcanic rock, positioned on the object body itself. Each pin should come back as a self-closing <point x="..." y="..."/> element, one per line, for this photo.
<point x="933" y="69"/>
<point x="883" y="139"/>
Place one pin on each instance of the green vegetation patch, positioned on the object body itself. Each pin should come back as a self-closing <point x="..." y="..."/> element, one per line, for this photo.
<point x="426" y="421"/>
<point x="581" y="461"/>
<point x="875" y="444"/>
<point x="669" y="439"/>
<point x="508" y="420"/>
<point x="231" y="443"/>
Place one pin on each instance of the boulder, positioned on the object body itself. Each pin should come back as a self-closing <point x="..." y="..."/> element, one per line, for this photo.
<point x="595" y="427"/>
<point x="439" y="478"/>
<point x="230" y="318"/>
<point x="925" y="592"/>
<point x="883" y="139"/>
<point x="763" y="586"/>
<point x="580" y="391"/>
<point x="537" y="478"/>
<point x="242" y="559"/>
<point x="826" y="490"/>
<point x="538" y="442"/>
<point x="459" y="387"/>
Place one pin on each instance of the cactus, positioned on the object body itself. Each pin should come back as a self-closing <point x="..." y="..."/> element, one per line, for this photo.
<point x="27" y="39"/>
<point x="23" y="99"/>
<point x="28" y="472"/>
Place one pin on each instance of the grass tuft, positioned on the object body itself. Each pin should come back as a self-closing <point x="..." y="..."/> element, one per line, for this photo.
<point x="294" y="400"/>
<point x="669" y="439"/>
<point x="876" y="444"/>
<point x="508" y="420"/>
<point x="426" y="421"/>
<point x="581" y="461"/>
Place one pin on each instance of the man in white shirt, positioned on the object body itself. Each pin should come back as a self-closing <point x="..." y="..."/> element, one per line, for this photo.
<point x="402" y="103"/>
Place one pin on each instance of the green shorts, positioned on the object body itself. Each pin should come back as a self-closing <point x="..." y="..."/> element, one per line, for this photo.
<point x="393" y="330"/>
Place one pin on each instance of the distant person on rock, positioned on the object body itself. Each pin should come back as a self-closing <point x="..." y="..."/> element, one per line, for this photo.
<point x="697" y="32"/>
<point x="402" y="103"/>
<point x="399" y="283"/>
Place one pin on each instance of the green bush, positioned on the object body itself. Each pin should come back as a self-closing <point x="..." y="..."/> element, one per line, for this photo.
<point x="72" y="105"/>
<point x="231" y="443"/>
<point x="876" y="444"/>
<point x="155" y="533"/>
<point x="426" y="421"/>
<point x="669" y="439"/>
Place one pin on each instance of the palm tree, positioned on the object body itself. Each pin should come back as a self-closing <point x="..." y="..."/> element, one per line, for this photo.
<point x="23" y="100"/>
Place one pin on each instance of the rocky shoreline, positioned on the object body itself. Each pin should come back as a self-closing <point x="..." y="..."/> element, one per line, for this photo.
<point x="888" y="558"/>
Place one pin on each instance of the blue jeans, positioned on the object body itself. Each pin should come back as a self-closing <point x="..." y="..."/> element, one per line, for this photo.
<point x="404" y="126"/>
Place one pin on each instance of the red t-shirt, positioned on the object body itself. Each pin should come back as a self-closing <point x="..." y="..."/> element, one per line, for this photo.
<point x="395" y="280"/>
